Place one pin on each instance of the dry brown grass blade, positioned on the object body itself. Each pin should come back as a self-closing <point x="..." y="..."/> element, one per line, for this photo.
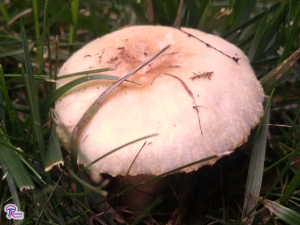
<point x="278" y="74"/>
<point x="150" y="12"/>
<point x="96" y="105"/>
<point x="178" y="17"/>
<point x="187" y="90"/>
<point x="181" y="81"/>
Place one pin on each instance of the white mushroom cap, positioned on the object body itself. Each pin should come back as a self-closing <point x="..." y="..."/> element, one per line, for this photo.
<point x="229" y="103"/>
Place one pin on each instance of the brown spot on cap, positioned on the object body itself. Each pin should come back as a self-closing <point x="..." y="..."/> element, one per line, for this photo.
<point x="113" y="59"/>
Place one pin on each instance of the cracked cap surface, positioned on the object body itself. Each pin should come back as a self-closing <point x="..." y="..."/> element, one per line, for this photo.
<point x="225" y="96"/>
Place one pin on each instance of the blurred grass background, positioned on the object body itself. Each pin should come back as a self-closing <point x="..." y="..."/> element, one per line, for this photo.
<point x="37" y="36"/>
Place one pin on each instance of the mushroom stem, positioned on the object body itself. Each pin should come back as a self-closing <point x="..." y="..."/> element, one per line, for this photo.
<point x="139" y="198"/>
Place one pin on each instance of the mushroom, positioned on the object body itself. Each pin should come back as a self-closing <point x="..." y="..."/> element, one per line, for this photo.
<point x="200" y="96"/>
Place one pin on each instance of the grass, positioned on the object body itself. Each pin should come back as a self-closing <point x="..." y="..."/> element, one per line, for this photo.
<point x="36" y="37"/>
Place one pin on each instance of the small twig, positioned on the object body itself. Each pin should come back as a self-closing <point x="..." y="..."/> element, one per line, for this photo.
<point x="208" y="45"/>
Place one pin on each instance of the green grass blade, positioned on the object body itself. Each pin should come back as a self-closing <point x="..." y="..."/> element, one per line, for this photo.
<point x="41" y="41"/>
<point x="9" y="146"/>
<point x="46" y="104"/>
<point x="32" y="169"/>
<point x="112" y="151"/>
<point x="4" y="12"/>
<point x="284" y="170"/>
<point x="139" y="12"/>
<point x="165" y="11"/>
<point x="241" y="11"/>
<point x="287" y="215"/>
<point x="193" y="12"/>
<point x="256" y="166"/>
<point x="43" y="78"/>
<point x="88" y="186"/>
<point x="257" y="38"/>
<point x="36" y="19"/>
<point x="3" y="189"/>
<point x="59" y="10"/>
<point x="204" y="15"/>
<point x="93" y="18"/>
<point x="253" y="20"/>
<point x="12" y="114"/>
<point x="204" y="5"/>
<point x="266" y="31"/>
<point x="84" y="73"/>
<point x="278" y="74"/>
<point x="15" y="166"/>
<point x="293" y="185"/>
<point x="59" y="218"/>
<point x="49" y="48"/>
<point x="279" y="161"/>
<point x="57" y="15"/>
<point x="42" y="210"/>
<point x="55" y="18"/>
<point x="2" y="113"/>
<point x="75" y="12"/>
<point x="292" y="36"/>
<point x="11" y="52"/>
<point x="32" y="94"/>
<point x="12" y="188"/>
<point x="54" y="156"/>
<point x="17" y="39"/>
<point x="270" y="60"/>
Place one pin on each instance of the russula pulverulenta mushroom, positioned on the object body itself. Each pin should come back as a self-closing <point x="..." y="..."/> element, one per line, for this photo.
<point x="201" y="96"/>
